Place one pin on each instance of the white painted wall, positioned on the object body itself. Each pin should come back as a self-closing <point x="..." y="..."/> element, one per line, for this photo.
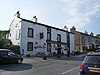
<point x="15" y="31"/>
<point x="54" y="33"/>
<point x="21" y="27"/>
<point x="71" y="43"/>
<point x="36" y="37"/>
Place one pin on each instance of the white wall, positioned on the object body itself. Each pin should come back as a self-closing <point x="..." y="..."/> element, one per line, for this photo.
<point x="71" y="42"/>
<point x="21" y="27"/>
<point x="15" y="31"/>
<point x="36" y="37"/>
<point x="54" y="33"/>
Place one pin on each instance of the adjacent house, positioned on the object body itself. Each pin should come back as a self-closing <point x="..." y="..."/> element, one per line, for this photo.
<point x="84" y="41"/>
<point x="36" y="38"/>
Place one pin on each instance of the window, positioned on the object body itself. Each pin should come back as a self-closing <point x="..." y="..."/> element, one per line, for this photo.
<point x="58" y="37"/>
<point x="48" y="33"/>
<point x="41" y="35"/>
<point x="3" y="53"/>
<point x="30" y="46"/>
<point x="11" y="53"/>
<point x="92" y="59"/>
<point x="30" y="32"/>
<point x="48" y="29"/>
<point x="48" y="36"/>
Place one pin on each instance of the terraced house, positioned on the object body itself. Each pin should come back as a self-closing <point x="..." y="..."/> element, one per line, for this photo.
<point x="84" y="41"/>
<point x="35" y="38"/>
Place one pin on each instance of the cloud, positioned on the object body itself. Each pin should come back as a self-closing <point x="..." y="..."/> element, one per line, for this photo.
<point x="79" y="12"/>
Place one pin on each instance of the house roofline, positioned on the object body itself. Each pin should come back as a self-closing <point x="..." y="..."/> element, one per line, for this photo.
<point x="45" y="25"/>
<point x="87" y="34"/>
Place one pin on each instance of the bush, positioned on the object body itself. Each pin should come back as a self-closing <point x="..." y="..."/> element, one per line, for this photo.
<point x="15" y="48"/>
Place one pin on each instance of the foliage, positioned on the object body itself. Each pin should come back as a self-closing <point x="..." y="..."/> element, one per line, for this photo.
<point x="4" y="44"/>
<point x="15" y="48"/>
<point x="1" y="44"/>
<point x="3" y="34"/>
<point x="85" y="48"/>
<point x="98" y="35"/>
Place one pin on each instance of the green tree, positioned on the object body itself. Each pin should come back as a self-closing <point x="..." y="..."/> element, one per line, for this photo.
<point x="4" y="43"/>
<point x="15" y="48"/>
<point x="3" y="34"/>
<point x="98" y="35"/>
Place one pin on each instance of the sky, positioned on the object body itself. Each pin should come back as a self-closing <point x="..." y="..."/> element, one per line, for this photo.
<point x="83" y="14"/>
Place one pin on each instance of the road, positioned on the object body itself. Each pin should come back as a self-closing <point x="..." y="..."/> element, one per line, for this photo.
<point x="54" y="66"/>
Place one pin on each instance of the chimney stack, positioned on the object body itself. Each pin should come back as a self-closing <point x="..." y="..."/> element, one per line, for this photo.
<point x="65" y="28"/>
<point x="35" y="19"/>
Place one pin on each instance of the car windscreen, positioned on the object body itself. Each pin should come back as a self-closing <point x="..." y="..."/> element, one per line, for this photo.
<point x="92" y="59"/>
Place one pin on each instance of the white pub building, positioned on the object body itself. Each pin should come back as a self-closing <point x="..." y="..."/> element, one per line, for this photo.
<point x="35" y="38"/>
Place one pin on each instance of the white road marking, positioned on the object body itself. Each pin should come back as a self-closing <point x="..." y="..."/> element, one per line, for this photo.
<point x="70" y="70"/>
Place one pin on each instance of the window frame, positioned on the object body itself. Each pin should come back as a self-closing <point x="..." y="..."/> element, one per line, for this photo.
<point x="59" y="37"/>
<point x="30" y="34"/>
<point x="29" y="49"/>
<point x="49" y="36"/>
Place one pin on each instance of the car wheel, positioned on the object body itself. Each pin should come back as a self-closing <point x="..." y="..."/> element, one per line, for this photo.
<point x="19" y="61"/>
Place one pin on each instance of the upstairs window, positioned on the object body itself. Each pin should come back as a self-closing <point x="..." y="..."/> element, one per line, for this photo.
<point x="48" y="29"/>
<point x="58" y="37"/>
<point x="49" y="36"/>
<point x="30" y="32"/>
<point x="49" y="33"/>
<point x="41" y="36"/>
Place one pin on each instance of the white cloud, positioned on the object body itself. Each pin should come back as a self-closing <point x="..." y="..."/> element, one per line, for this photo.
<point x="79" y="12"/>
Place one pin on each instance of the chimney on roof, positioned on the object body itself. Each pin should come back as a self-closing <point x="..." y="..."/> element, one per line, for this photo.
<point x="65" y="28"/>
<point x="17" y="14"/>
<point x="73" y="29"/>
<point x="35" y="18"/>
<point x="91" y="34"/>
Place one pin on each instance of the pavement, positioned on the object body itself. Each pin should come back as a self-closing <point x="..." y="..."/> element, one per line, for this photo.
<point x="34" y="59"/>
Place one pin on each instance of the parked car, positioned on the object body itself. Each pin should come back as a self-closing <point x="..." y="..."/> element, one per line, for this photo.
<point x="7" y="56"/>
<point x="98" y="50"/>
<point x="91" y="64"/>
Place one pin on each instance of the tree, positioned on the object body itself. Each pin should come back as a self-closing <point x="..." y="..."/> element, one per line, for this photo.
<point x="3" y="34"/>
<point x="98" y="35"/>
<point x="4" y="43"/>
<point x="15" y="48"/>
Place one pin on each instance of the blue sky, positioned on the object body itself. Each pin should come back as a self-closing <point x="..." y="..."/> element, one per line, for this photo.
<point x="83" y="14"/>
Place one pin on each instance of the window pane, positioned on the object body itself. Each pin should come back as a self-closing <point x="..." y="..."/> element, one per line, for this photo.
<point x="48" y="29"/>
<point x="48" y="36"/>
<point x="58" y="37"/>
<point x="3" y="53"/>
<point x="92" y="59"/>
<point x="30" y="32"/>
<point x="30" y="46"/>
